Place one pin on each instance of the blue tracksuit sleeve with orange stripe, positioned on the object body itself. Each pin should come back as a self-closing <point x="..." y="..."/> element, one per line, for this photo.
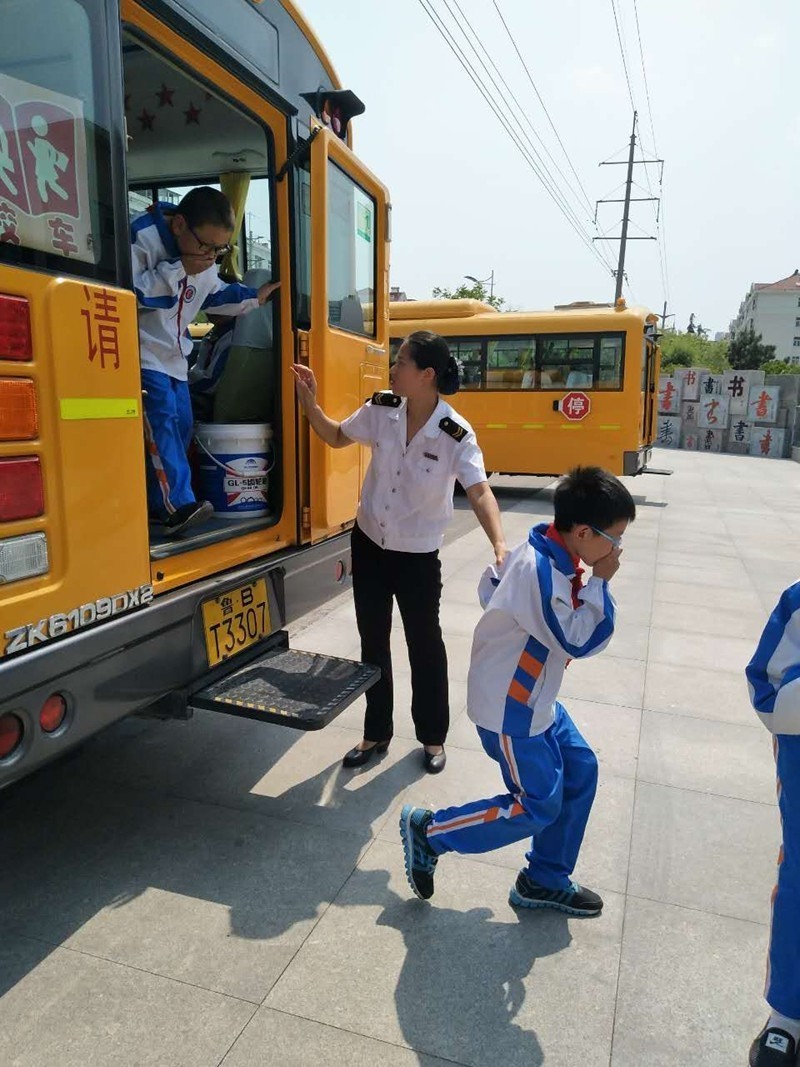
<point x="773" y="674"/>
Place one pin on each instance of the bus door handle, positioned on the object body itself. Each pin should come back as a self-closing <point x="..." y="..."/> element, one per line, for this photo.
<point x="374" y="350"/>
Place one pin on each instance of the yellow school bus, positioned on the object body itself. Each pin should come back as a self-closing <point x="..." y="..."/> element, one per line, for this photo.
<point x="105" y="107"/>
<point x="546" y="390"/>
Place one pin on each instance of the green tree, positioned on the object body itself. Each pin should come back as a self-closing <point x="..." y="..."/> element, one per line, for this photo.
<point x="780" y="366"/>
<point x="476" y="291"/>
<point x="747" y="352"/>
<point x="690" y="350"/>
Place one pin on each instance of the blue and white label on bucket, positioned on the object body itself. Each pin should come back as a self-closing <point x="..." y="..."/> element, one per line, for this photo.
<point x="247" y="488"/>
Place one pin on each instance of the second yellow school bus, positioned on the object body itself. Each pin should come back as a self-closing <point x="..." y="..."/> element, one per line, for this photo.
<point x="546" y="390"/>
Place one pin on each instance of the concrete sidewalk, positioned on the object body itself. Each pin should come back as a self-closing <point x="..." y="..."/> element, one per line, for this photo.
<point x="221" y="892"/>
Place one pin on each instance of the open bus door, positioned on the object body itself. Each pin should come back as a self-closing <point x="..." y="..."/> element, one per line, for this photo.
<point x="347" y="346"/>
<point x="651" y="368"/>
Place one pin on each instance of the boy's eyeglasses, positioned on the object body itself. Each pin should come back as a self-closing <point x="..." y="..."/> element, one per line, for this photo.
<point x="218" y="250"/>
<point x="615" y="541"/>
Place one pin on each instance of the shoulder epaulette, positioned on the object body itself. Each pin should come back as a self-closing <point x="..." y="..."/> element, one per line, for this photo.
<point x="453" y="429"/>
<point x="386" y="400"/>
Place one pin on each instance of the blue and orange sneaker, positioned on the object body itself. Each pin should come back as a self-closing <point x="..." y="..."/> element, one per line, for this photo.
<point x="525" y="893"/>
<point x="420" y="859"/>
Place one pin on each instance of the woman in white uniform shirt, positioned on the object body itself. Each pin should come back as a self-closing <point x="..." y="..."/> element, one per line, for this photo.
<point x="419" y="447"/>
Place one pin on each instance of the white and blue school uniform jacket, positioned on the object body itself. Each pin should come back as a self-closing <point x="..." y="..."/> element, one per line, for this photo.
<point x="773" y="674"/>
<point x="528" y="633"/>
<point x="169" y="299"/>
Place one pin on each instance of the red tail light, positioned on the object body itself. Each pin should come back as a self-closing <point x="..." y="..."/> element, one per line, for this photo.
<point x="21" y="488"/>
<point x="15" y="328"/>
<point x="53" y="713"/>
<point x="10" y="734"/>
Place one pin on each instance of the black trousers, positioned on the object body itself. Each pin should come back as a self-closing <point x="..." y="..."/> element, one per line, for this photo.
<point x="414" y="579"/>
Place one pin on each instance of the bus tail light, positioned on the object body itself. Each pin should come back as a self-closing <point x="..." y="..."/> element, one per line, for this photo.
<point x="23" y="557"/>
<point x="15" y="328"/>
<point x="11" y="731"/>
<point x="21" y="488"/>
<point x="19" y="420"/>
<point x="53" y="713"/>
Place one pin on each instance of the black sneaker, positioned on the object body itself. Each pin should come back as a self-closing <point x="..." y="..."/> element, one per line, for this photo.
<point x="525" y="893"/>
<point x="420" y="859"/>
<point x="773" y="1048"/>
<point x="189" y="515"/>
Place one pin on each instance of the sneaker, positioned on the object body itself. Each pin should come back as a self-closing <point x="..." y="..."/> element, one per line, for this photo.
<point x="420" y="859"/>
<point x="188" y="515"/>
<point x="525" y="893"/>
<point x="773" y="1048"/>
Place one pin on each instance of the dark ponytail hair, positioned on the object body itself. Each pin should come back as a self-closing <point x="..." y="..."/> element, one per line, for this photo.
<point x="431" y="350"/>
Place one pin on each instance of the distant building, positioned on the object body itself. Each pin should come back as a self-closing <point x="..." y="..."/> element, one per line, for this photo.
<point x="722" y="335"/>
<point x="397" y="294"/>
<point x="773" y="310"/>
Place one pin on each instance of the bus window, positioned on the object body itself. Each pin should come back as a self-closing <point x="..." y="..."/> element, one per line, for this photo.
<point x="566" y="362"/>
<point x="509" y="363"/>
<point x="610" y="371"/>
<point x="469" y="356"/>
<point x="56" y="197"/>
<point x="351" y="255"/>
<point x="302" y="193"/>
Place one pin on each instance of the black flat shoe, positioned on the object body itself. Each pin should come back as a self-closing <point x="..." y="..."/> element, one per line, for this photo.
<point x="357" y="757"/>
<point x="435" y="764"/>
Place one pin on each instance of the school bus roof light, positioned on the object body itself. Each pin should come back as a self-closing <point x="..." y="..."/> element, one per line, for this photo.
<point x="11" y="731"/>
<point x="23" y="557"/>
<point x="19" y="420"/>
<point x="15" y="328"/>
<point x="21" y="488"/>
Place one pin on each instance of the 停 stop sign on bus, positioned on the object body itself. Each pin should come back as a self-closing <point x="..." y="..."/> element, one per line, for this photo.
<point x="575" y="406"/>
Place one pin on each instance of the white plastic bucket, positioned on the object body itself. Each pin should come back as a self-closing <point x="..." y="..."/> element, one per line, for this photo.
<point x="235" y="462"/>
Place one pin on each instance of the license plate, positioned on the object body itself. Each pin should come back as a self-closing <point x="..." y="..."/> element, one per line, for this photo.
<point x="235" y="620"/>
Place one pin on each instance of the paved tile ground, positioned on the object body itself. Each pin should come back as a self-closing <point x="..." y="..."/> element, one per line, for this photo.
<point x="223" y="893"/>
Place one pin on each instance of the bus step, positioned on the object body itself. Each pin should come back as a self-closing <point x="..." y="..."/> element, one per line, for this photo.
<point x="304" y="690"/>
<point x="655" y="470"/>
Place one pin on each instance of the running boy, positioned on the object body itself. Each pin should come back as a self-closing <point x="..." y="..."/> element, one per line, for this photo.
<point x="773" y="676"/>
<point x="538" y="615"/>
<point x="175" y="277"/>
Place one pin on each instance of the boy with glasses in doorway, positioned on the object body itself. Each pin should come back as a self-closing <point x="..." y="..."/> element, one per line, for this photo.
<point x="175" y="277"/>
<point x="538" y="615"/>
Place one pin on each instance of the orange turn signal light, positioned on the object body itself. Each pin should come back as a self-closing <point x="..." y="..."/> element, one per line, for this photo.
<point x="19" y="419"/>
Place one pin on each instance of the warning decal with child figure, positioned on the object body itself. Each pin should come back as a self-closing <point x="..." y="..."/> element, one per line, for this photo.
<point x="43" y="171"/>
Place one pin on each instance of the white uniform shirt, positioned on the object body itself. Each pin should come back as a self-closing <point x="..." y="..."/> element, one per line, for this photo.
<point x="407" y="495"/>
<point x="529" y="631"/>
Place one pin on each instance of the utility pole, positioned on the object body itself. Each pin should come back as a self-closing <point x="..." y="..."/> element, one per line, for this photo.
<point x="664" y="317"/>
<point x="626" y="211"/>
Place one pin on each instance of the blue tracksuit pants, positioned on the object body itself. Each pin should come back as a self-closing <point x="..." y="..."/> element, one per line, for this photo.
<point x="551" y="781"/>
<point x="168" y="426"/>
<point x="783" y="967"/>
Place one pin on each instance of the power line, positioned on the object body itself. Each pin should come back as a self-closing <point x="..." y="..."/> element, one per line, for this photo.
<point x="522" y="111"/>
<point x="644" y="76"/>
<point x="526" y="68"/>
<point x="562" y="199"/>
<point x="541" y="101"/>
<point x="453" y="45"/>
<point x="510" y="111"/>
<point x="622" y="53"/>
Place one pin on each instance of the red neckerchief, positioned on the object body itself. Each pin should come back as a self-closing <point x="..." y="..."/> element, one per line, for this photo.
<point x="577" y="581"/>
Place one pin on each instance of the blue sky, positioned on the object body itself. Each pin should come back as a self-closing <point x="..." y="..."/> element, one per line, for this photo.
<point x="723" y="80"/>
